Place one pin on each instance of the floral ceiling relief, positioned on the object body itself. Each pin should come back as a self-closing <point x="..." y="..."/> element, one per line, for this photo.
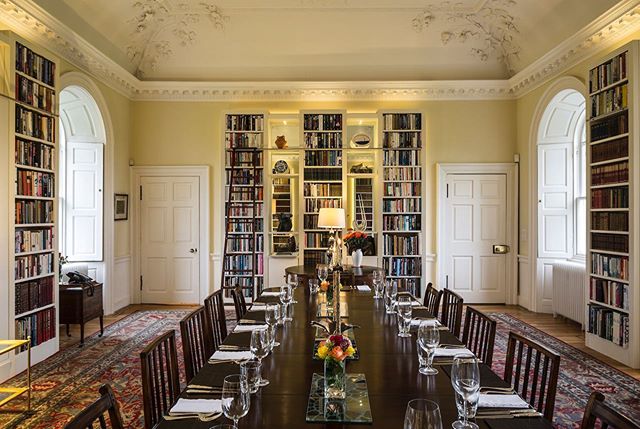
<point x="160" y="26"/>
<point x="489" y="31"/>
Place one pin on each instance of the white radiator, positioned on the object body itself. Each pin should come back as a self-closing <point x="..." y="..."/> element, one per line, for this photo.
<point x="569" y="280"/>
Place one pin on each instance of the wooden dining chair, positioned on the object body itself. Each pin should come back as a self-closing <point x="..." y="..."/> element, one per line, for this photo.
<point x="160" y="378"/>
<point x="451" y="315"/>
<point x="532" y="370"/>
<point x="95" y="413"/>
<point x="599" y="414"/>
<point x="479" y="334"/>
<point x="432" y="297"/>
<point x="214" y="309"/>
<point x="239" y="302"/>
<point x="197" y="341"/>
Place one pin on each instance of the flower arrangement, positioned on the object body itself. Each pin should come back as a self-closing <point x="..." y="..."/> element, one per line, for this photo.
<point x="356" y="240"/>
<point x="336" y="347"/>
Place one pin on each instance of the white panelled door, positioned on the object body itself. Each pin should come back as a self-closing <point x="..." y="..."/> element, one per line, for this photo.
<point x="475" y="220"/>
<point x="170" y="240"/>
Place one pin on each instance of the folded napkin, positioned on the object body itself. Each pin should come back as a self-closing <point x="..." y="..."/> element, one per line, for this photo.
<point x="416" y="322"/>
<point x="231" y="355"/>
<point x="501" y="401"/>
<point x="270" y="294"/>
<point x="188" y="406"/>
<point x="249" y="328"/>
<point x="445" y="352"/>
<point x="258" y="304"/>
<point x="364" y="288"/>
<point x="416" y="303"/>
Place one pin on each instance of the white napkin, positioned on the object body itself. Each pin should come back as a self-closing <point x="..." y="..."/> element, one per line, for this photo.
<point x="501" y="401"/>
<point x="235" y="355"/>
<point x="444" y="352"/>
<point x="258" y="304"/>
<point x="197" y="406"/>
<point x="416" y="304"/>
<point x="417" y="322"/>
<point x="249" y="328"/>
<point x="364" y="288"/>
<point x="270" y="294"/>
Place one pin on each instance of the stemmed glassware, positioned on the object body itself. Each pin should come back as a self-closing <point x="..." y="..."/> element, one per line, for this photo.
<point x="272" y="316"/>
<point x="292" y="280"/>
<point x="323" y="272"/>
<point x="286" y="295"/>
<point x="260" y="347"/>
<point x="465" y="378"/>
<point x="429" y="340"/>
<point x="378" y="283"/>
<point x="405" y="310"/>
<point x="314" y="285"/>
<point x="422" y="414"/>
<point x="390" y="295"/>
<point x="236" y="397"/>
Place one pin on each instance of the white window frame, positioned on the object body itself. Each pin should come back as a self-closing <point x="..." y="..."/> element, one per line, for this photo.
<point x="580" y="188"/>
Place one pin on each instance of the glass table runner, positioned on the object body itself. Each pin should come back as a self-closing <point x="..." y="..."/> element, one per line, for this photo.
<point x="355" y="408"/>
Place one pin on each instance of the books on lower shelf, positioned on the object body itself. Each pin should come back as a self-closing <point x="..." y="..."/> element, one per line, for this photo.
<point x="610" y="242"/>
<point x="609" y="324"/>
<point x="401" y="245"/>
<point x="40" y="326"/>
<point x="34" y="154"/>
<point x="609" y="292"/>
<point x="34" y="183"/>
<point x="608" y="127"/>
<point x="606" y="198"/>
<point x="33" y="265"/>
<point x="33" y="240"/>
<point x="616" y="267"/>
<point x="610" y="173"/>
<point x="34" y="294"/>
<point x="613" y="149"/>
<point x="401" y="222"/>
<point x="610" y="221"/>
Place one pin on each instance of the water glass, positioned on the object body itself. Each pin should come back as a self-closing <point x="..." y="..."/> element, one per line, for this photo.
<point x="468" y="407"/>
<point x="282" y="314"/>
<point x="422" y="356"/>
<point x="390" y="295"/>
<point x="260" y="347"/>
<point x="236" y="398"/>
<point x="465" y="378"/>
<point x="422" y="414"/>
<point x="323" y="272"/>
<point x="429" y="340"/>
<point x="405" y="310"/>
<point x="286" y="295"/>
<point x="272" y="317"/>
<point x="314" y="286"/>
<point x="378" y="283"/>
<point x="292" y="280"/>
<point x="251" y="370"/>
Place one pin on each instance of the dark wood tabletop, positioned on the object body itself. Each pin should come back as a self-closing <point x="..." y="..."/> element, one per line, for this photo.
<point x="390" y="364"/>
<point x="310" y="271"/>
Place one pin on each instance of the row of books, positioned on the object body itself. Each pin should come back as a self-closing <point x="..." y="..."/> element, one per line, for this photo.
<point x="401" y="140"/>
<point x="243" y="177"/>
<point x="610" y="221"/>
<point x="608" y="73"/>
<point x="41" y="327"/>
<point x="34" y="294"/>
<point x="402" y="121"/>
<point x="246" y="227"/>
<point x="236" y="244"/>
<point x="34" y="212"/>
<point x="316" y="239"/>
<point x="323" y="122"/>
<point x="323" y="158"/>
<point x="314" y="205"/>
<point x="248" y="284"/>
<point x="411" y="285"/>
<point x="310" y="221"/>
<point x="34" y="154"/>
<point x="610" y="173"/>
<point x="245" y="122"/>
<point x="609" y="101"/>
<point x="616" y="267"/>
<point x="313" y="258"/>
<point x="609" y="324"/>
<point x="322" y="140"/>
<point x="33" y="240"/>
<point x="401" y="205"/>
<point x="401" y="222"/>
<point x="323" y="190"/>
<point x="321" y="174"/>
<point x="34" y="65"/>
<point x="618" y="148"/>
<point x="242" y="158"/>
<point x="609" y="292"/>
<point x="33" y="265"/>
<point x="401" y="245"/>
<point x="235" y="263"/>
<point x="395" y="173"/>
<point x="610" y="126"/>
<point x="401" y="157"/>
<point x="245" y="194"/>
<point x="610" y="198"/>
<point x="34" y="94"/>
<point x="610" y="242"/>
<point x="35" y="183"/>
<point x="402" y="189"/>
<point x="34" y="124"/>
<point x="398" y="266"/>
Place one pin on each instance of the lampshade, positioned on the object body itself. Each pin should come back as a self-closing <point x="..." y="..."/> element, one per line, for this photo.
<point x="331" y="218"/>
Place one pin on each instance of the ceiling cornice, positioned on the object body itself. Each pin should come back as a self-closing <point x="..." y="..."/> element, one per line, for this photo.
<point x="31" y="21"/>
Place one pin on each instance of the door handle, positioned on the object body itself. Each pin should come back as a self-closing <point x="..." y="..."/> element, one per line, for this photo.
<point x="193" y="250"/>
<point x="500" y="249"/>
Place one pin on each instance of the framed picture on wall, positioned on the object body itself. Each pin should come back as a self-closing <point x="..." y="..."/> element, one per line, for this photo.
<point x="121" y="207"/>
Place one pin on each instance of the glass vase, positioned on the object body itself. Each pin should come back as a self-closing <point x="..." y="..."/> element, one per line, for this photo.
<point x="335" y="380"/>
<point x="329" y="295"/>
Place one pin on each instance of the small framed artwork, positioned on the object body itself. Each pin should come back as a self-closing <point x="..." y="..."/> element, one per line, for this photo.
<point x="121" y="207"/>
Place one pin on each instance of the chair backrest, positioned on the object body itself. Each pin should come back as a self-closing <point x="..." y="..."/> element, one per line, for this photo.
<point x="214" y="308"/>
<point x="160" y="378"/>
<point x="451" y="315"/>
<point x="197" y="341"/>
<point x="96" y="412"/>
<point x="239" y="302"/>
<point x="532" y="370"/>
<point x="597" y="411"/>
<point x="432" y="298"/>
<point x="479" y="334"/>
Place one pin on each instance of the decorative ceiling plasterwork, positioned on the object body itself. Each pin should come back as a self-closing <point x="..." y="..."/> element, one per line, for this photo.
<point x="29" y="20"/>
<point x="490" y="30"/>
<point x="160" y="25"/>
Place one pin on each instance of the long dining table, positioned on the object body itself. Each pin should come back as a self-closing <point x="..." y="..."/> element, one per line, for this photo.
<point x="389" y="362"/>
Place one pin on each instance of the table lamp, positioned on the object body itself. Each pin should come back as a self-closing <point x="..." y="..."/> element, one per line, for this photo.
<point x="334" y="220"/>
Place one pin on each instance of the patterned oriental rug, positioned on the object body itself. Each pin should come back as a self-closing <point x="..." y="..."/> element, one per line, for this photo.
<point x="67" y="382"/>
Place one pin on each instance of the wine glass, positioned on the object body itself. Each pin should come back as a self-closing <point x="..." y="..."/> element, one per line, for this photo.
<point x="236" y="398"/>
<point x="378" y="282"/>
<point x="292" y="280"/>
<point x="251" y="370"/>
<point x="422" y="414"/>
<point x="323" y="272"/>
<point x="271" y="316"/>
<point x="390" y="294"/>
<point x="405" y="309"/>
<point x="313" y="286"/>
<point x="286" y="295"/>
<point x="429" y="340"/>
<point x="465" y="378"/>
<point x="260" y="347"/>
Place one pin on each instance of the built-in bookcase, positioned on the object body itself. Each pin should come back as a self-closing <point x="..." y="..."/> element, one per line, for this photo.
<point x="30" y="84"/>
<point x="402" y="198"/>
<point x="613" y="325"/>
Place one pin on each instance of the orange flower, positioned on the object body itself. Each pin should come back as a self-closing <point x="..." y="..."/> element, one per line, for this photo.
<point x="338" y="354"/>
<point x="324" y="286"/>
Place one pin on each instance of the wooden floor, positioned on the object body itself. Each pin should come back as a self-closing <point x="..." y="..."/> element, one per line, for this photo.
<point x="565" y="330"/>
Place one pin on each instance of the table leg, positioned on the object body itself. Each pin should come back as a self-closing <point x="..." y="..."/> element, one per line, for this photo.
<point x="81" y="334"/>
<point x="68" y="333"/>
<point x="101" y="325"/>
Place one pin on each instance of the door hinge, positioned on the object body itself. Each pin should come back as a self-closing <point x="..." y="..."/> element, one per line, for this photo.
<point x="140" y="192"/>
<point x="140" y="282"/>
<point x="446" y="281"/>
<point x="447" y="190"/>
